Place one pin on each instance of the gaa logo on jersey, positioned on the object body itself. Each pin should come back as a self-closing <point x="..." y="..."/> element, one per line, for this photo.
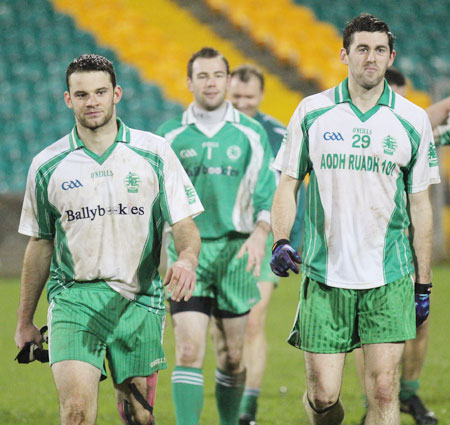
<point x="188" y="153"/>
<point x="132" y="182"/>
<point x="72" y="184"/>
<point x="331" y="135"/>
<point x="234" y="152"/>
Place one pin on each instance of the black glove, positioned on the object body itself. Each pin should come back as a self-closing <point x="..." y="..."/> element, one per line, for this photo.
<point x="31" y="351"/>
<point x="284" y="258"/>
<point x="422" y="298"/>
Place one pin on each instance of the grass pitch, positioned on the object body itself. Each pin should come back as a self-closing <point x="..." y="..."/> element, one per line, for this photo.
<point x="28" y="395"/>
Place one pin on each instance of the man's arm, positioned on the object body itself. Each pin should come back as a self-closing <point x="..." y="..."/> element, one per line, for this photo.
<point x="181" y="275"/>
<point x="421" y="234"/>
<point x="35" y="271"/>
<point x="284" y="207"/>
<point x="255" y="246"/>
<point x="438" y="112"/>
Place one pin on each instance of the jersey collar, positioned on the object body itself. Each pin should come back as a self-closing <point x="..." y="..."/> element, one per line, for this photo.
<point x="123" y="135"/>
<point x="387" y="98"/>
<point x="231" y="114"/>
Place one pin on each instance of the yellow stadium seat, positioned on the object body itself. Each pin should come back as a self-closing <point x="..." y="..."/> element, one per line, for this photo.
<point x="158" y="38"/>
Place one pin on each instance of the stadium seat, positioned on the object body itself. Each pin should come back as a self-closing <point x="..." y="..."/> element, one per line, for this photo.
<point x="160" y="41"/>
<point x="37" y="44"/>
<point x="421" y="32"/>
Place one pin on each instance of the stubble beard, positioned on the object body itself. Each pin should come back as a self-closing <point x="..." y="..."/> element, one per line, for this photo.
<point x="95" y="126"/>
<point x="370" y="83"/>
<point x="212" y="106"/>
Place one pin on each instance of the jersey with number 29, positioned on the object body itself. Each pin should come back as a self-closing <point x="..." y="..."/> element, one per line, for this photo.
<point x="361" y="166"/>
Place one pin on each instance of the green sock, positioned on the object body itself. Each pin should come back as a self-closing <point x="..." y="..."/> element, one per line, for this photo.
<point x="408" y="389"/>
<point x="229" y="389"/>
<point x="249" y="402"/>
<point x="187" y="393"/>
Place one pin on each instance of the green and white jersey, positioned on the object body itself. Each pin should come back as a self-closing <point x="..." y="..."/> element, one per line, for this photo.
<point x="361" y="168"/>
<point x="443" y="132"/>
<point x="275" y="132"/>
<point x="274" y="129"/>
<point x="229" y="166"/>
<point x="106" y="213"/>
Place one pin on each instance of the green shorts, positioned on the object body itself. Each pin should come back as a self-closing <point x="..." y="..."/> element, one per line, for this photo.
<point x="88" y="323"/>
<point x="222" y="276"/>
<point x="266" y="274"/>
<point x="336" y="320"/>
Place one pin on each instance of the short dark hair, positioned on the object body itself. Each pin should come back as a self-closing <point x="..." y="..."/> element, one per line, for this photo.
<point x="369" y="23"/>
<point x="208" y="53"/>
<point x="395" y="76"/>
<point x="91" y="62"/>
<point x="246" y="71"/>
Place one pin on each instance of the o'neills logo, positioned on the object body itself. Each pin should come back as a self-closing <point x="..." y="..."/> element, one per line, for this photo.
<point x="91" y="213"/>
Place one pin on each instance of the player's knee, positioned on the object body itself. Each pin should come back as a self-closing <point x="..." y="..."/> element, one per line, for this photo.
<point x="232" y="361"/>
<point x="322" y="400"/>
<point x="384" y="391"/>
<point x="133" y="414"/>
<point x="142" y="416"/>
<point x="320" y="404"/>
<point x="383" y="395"/>
<point x="188" y="354"/>
<point x="75" y="410"/>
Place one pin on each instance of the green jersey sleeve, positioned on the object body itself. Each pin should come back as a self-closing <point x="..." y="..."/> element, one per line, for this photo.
<point x="265" y="185"/>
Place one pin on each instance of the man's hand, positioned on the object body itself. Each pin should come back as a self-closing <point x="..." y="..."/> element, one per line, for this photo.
<point x="28" y="333"/>
<point x="181" y="279"/>
<point x="32" y="350"/>
<point x="255" y="246"/>
<point x="422" y="299"/>
<point x="284" y="258"/>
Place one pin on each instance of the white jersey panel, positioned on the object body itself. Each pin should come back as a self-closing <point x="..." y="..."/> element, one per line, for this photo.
<point x="105" y="219"/>
<point x="105" y="210"/>
<point x="425" y="170"/>
<point x="244" y="210"/>
<point x="356" y="194"/>
<point x="361" y="167"/>
<point x="28" y="221"/>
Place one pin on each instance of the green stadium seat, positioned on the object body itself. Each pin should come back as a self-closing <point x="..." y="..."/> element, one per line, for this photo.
<point x="421" y="31"/>
<point x="37" y="45"/>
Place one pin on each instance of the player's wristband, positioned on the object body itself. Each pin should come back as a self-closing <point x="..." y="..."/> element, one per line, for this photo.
<point x="423" y="288"/>
<point x="279" y="243"/>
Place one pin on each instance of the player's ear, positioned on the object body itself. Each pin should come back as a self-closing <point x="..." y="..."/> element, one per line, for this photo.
<point x="117" y="94"/>
<point x="391" y="60"/>
<point x="67" y="99"/>
<point x="343" y="56"/>
<point x="189" y="84"/>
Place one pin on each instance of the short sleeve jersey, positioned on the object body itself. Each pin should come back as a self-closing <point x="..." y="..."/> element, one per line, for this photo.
<point x="106" y="213"/>
<point x="444" y="133"/>
<point x="361" y="167"/>
<point x="229" y="167"/>
<point x="274" y="129"/>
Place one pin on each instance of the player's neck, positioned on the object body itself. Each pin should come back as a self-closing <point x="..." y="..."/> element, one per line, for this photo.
<point x="100" y="139"/>
<point x="210" y="117"/>
<point x="364" y="99"/>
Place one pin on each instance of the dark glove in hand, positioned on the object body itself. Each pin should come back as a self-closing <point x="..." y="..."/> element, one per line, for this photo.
<point x="283" y="259"/>
<point x="422" y="308"/>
